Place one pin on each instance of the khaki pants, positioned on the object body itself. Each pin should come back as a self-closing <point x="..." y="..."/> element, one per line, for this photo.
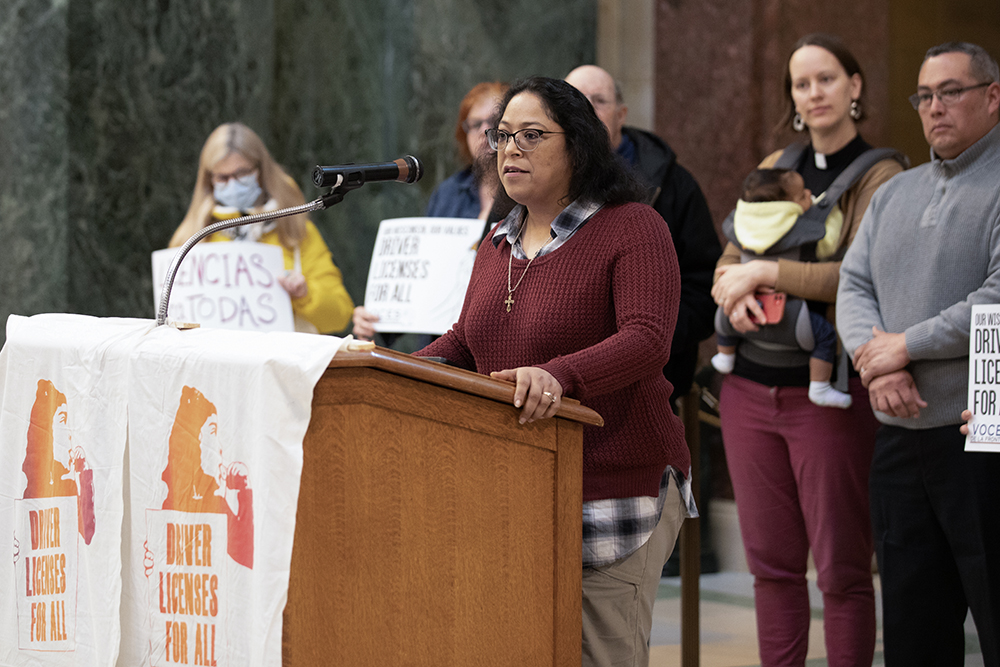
<point x="618" y="598"/>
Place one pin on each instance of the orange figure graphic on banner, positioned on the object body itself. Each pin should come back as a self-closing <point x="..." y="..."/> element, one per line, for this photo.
<point x="199" y="480"/>
<point x="53" y="466"/>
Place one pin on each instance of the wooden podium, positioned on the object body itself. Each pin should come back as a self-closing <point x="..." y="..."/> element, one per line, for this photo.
<point x="432" y="528"/>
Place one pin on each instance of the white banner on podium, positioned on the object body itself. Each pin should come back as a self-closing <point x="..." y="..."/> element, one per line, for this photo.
<point x="173" y="563"/>
<point x="63" y="425"/>
<point x="216" y="423"/>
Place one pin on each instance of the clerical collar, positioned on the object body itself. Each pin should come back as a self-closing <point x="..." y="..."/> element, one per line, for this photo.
<point x="817" y="178"/>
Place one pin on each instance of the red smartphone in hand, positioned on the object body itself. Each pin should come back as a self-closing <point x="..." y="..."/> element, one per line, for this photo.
<point x="773" y="304"/>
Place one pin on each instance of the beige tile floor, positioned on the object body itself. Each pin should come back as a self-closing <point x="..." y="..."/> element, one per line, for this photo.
<point x="728" y="625"/>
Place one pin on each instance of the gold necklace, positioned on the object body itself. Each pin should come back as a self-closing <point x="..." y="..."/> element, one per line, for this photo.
<point x="510" y="263"/>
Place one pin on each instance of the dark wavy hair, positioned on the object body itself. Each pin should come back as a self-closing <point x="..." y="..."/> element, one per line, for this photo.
<point x="598" y="173"/>
<point x="843" y="55"/>
<point x="767" y="185"/>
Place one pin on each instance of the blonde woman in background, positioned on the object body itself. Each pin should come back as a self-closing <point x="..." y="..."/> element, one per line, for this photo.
<point x="237" y="176"/>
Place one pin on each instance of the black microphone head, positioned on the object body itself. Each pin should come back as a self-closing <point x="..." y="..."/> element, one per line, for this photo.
<point x="415" y="170"/>
<point x="319" y="177"/>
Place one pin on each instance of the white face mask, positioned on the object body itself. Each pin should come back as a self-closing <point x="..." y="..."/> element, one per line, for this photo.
<point x="240" y="193"/>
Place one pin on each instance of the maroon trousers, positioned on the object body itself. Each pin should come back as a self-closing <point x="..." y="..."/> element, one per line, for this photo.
<point x="800" y="476"/>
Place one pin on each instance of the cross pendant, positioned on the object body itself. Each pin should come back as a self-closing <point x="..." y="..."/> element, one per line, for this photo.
<point x="509" y="301"/>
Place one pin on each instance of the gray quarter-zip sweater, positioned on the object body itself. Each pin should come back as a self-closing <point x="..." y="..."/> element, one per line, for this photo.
<point x="927" y="249"/>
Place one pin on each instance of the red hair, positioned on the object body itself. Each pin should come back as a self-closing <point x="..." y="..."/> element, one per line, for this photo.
<point x="487" y="90"/>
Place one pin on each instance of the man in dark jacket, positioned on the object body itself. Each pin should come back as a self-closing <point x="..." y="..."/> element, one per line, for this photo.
<point x="676" y="196"/>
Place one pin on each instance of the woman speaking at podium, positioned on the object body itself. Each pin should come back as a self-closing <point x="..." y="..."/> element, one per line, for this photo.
<point x="575" y="293"/>
<point x="238" y="176"/>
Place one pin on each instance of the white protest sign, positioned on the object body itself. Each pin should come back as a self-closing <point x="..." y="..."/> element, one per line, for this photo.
<point x="227" y="286"/>
<point x="984" y="379"/>
<point x="419" y="272"/>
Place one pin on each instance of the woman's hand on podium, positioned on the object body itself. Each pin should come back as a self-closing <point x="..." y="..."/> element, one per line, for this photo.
<point x="536" y="389"/>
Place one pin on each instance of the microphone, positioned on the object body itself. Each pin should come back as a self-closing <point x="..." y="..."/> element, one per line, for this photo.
<point x="406" y="169"/>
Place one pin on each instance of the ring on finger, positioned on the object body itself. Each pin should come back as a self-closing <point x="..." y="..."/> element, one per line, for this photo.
<point x="552" y="398"/>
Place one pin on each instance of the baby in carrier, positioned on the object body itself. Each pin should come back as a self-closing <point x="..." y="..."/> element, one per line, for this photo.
<point x="772" y="201"/>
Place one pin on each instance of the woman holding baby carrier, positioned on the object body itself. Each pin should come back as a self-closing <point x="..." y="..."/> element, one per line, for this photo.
<point x="800" y="470"/>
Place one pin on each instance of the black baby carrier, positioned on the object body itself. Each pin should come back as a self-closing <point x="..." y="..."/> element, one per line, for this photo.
<point x="787" y="344"/>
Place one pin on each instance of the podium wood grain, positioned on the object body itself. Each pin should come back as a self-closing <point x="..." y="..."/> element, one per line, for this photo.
<point x="432" y="528"/>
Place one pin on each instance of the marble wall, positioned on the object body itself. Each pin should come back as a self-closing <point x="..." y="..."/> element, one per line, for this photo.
<point x="366" y="82"/>
<point x="34" y="157"/>
<point x="147" y="82"/>
<point x="104" y="106"/>
<point x="719" y="67"/>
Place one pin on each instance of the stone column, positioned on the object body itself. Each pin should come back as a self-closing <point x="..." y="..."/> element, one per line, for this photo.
<point x="625" y="48"/>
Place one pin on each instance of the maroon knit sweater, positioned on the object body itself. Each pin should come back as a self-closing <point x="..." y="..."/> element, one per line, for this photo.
<point x="598" y="313"/>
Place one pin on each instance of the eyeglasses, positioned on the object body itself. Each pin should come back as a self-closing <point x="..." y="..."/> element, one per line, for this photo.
<point x="528" y="141"/>
<point x="239" y="173"/>
<point x="947" y="96"/>
<point x="470" y="125"/>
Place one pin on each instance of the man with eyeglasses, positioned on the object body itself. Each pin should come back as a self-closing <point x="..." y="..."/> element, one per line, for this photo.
<point x="927" y="250"/>
<point x="675" y="195"/>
